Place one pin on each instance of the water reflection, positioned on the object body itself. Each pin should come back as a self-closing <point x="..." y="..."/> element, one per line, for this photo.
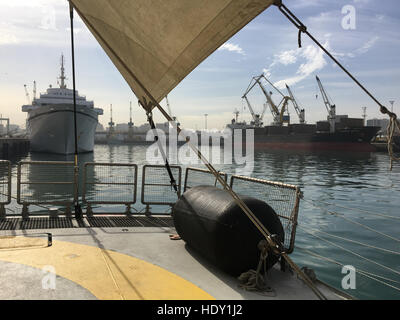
<point x="40" y="173"/>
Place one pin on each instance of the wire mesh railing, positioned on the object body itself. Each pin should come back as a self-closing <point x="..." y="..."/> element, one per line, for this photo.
<point x="5" y="186"/>
<point x="196" y="177"/>
<point x="110" y="184"/>
<point x="46" y="182"/>
<point x="283" y="198"/>
<point x="156" y="185"/>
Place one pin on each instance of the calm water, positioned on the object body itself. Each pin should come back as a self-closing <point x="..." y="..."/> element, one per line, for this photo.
<point x="358" y="188"/>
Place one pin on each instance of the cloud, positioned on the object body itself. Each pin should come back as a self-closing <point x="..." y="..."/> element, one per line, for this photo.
<point x="41" y="22"/>
<point x="287" y="57"/>
<point x="232" y="47"/>
<point x="368" y="45"/>
<point x="314" y="61"/>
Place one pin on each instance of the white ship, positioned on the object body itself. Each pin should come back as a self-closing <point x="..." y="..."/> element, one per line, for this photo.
<point x="50" y="121"/>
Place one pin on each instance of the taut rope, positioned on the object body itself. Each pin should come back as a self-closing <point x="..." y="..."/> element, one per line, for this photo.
<point x="394" y="122"/>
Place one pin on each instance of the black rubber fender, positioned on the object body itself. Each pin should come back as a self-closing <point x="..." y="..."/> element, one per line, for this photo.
<point x="209" y="220"/>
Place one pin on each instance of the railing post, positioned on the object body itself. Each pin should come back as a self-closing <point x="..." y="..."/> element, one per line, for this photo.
<point x="5" y="197"/>
<point x="25" y="211"/>
<point x="2" y="212"/>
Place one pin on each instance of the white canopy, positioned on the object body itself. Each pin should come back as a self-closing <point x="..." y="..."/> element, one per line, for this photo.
<point x="157" y="43"/>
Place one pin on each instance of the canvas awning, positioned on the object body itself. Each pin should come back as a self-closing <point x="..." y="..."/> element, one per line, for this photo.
<point x="157" y="43"/>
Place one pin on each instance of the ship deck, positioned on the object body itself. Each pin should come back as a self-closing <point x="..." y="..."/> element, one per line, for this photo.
<point x="110" y="258"/>
<point x="124" y="254"/>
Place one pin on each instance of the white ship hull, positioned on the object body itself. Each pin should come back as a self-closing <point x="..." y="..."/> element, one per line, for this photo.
<point x="52" y="129"/>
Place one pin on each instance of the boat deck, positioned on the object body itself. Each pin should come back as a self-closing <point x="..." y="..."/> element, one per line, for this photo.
<point x="120" y="262"/>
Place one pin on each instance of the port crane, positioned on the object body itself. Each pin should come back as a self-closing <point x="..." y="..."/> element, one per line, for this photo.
<point x="256" y="117"/>
<point x="170" y="112"/>
<point x="278" y="115"/>
<point x="300" y="112"/>
<point x="329" y="106"/>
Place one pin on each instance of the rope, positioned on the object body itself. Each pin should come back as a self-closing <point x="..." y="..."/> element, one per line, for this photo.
<point x="351" y="252"/>
<point x="268" y="236"/>
<point x="352" y="221"/>
<point x="360" y="210"/>
<point x="112" y="274"/>
<point x="303" y="29"/>
<point x="360" y="271"/>
<point x="393" y="125"/>
<point x="153" y="103"/>
<point x="254" y="280"/>
<point x="356" y="242"/>
<point x="167" y="166"/>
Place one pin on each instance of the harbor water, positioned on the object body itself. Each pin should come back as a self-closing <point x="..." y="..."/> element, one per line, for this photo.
<point x="350" y="213"/>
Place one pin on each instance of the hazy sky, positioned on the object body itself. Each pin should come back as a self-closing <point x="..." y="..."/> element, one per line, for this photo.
<point x="34" y="33"/>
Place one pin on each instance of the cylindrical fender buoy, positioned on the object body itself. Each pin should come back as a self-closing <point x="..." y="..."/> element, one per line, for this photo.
<point x="209" y="220"/>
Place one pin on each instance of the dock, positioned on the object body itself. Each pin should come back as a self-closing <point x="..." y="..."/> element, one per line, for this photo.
<point x="13" y="147"/>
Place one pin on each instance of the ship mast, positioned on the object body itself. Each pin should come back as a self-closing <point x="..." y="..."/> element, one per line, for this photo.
<point x="130" y="123"/>
<point x="62" y="76"/>
<point x="111" y="123"/>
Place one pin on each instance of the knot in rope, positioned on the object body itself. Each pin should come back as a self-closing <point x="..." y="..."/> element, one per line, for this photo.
<point x="302" y="29"/>
<point x="255" y="280"/>
<point x="273" y="244"/>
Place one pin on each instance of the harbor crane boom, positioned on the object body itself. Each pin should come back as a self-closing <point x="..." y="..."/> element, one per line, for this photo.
<point x="170" y="112"/>
<point x="270" y="102"/>
<point x="329" y="106"/>
<point x="300" y="112"/>
<point x="256" y="117"/>
<point x="278" y="115"/>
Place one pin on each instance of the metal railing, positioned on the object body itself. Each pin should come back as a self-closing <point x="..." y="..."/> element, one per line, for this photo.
<point x="156" y="185"/>
<point x="46" y="183"/>
<point x="5" y="186"/>
<point x="283" y="198"/>
<point x="109" y="183"/>
<point x="56" y="183"/>
<point x="196" y="177"/>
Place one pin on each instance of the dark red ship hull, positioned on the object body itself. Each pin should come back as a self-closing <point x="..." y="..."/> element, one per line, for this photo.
<point x="296" y="138"/>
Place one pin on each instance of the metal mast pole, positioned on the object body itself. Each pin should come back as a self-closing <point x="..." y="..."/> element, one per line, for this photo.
<point x="78" y="209"/>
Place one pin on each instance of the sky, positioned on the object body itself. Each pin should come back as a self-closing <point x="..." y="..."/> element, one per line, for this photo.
<point x="34" y="34"/>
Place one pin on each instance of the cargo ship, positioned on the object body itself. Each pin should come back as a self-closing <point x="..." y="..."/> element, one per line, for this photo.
<point x="314" y="136"/>
<point x="338" y="132"/>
